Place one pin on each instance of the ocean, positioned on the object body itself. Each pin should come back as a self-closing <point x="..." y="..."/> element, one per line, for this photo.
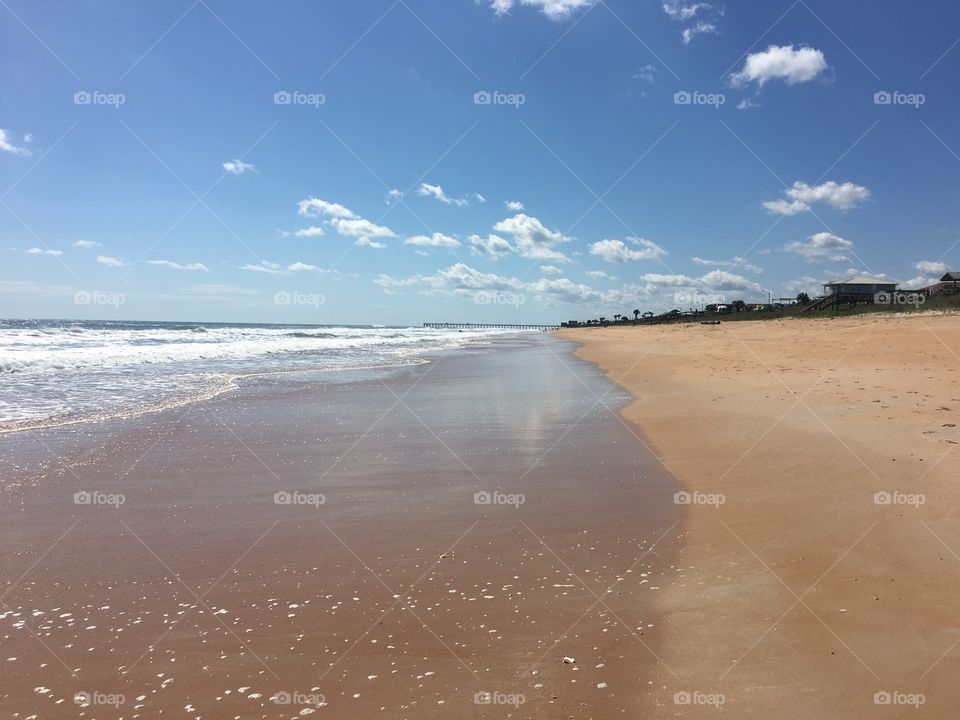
<point x="58" y="372"/>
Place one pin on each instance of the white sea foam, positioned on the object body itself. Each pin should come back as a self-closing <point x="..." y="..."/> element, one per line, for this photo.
<point x="57" y="372"/>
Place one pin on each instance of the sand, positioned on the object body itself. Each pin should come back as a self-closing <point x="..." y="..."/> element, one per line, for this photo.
<point x="396" y="597"/>
<point x="800" y="592"/>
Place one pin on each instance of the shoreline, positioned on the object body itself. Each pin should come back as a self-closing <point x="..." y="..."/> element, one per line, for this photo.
<point x="397" y="590"/>
<point x="827" y="574"/>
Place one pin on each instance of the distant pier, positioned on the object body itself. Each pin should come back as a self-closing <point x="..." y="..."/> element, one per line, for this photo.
<point x="488" y="326"/>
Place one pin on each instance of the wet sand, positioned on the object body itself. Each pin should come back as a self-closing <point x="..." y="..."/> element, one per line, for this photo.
<point x="397" y="596"/>
<point x="826" y="583"/>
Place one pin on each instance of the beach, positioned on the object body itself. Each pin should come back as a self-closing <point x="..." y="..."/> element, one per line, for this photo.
<point x="818" y="562"/>
<point x="479" y="534"/>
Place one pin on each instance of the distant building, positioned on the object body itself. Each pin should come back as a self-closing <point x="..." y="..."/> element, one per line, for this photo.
<point x="859" y="288"/>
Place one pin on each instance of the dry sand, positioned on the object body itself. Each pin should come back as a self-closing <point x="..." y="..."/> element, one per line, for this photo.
<point x="802" y="595"/>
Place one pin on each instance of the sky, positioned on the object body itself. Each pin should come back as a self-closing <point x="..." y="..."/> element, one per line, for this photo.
<point x="519" y="161"/>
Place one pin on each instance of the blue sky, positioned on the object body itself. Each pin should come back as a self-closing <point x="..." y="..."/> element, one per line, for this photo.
<point x="500" y="160"/>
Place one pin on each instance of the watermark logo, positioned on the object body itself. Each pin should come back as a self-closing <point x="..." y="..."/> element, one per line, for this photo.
<point x="896" y="697"/>
<point x="684" y="97"/>
<point x="495" y="297"/>
<point x="899" y="498"/>
<point x="85" y="698"/>
<point x="499" y="698"/>
<point x="284" y="497"/>
<point x="698" y="498"/>
<point x="298" y="298"/>
<point x="515" y="100"/>
<point x="310" y="699"/>
<point x="914" y="100"/>
<point x="95" y="497"/>
<point x="689" y="298"/>
<point x="895" y="298"/>
<point x="295" y="97"/>
<point x="96" y="297"/>
<point x="499" y="498"/>
<point x="685" y="697"/>
<point x="95" y="97"/>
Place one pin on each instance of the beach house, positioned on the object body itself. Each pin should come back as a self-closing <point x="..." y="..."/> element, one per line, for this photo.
<point x="858" y="289"/>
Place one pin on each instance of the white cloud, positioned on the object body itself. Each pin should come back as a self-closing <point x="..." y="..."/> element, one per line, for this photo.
<point x="110" y="261"/>
<point x="599" y="274"/>
<point x="930" y="272"/>
<point x="617" y="251"/>
<point x="312" y="231"/>
<point x="748" y="104"/>
<point x="551" y="270"/>
<point x="647" y="74"/>
<point x="435" y="240"/>
<point x="714" y="282"/>
<point x="514" y="205"/>
<point x="479" y="198"/>
<point x="238" y="167"/>
<point x="86" y="244"/>
<point x="7" y="144"/>
<point x="553" y="9"/>
<point x="810" y="285"/>
<point x="272" y="268"/>
<point x="679" y="10"/>
<point x="394" y="193"/>
<point x="801" y="196"/>
<point x="702" y="27"/>
<point x="820" y="247"/>
<point x="361" y="229"/>
<point x="437" y="193"/>
<point x="777" y="62"/>
<point x="314" y="207"/>
<point x="461" y="279"/>
<point x="178" y="266"/>
<point x="532" y="239"/>
<point x="41" y="251"/>
<point x="493" y="246"/>
<point x="732" y="262"/>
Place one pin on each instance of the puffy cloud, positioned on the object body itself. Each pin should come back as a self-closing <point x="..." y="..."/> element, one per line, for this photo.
<point x="312" y="231"/>
<point x="314" y="207"/>
<point x="110" y="261"/>
<point x="820" y="247"/>
<point x="435" y="240"/>
<point x="553" y="9"/>
<point x="810" y="285"/>
<point x="7" y="144"/>
<point x="801" y="196"/>
<point x="363" y="230"/>
<point x="514" y="205"/>
<point x="532" y="239"/>
<point x="617" y="251"/>
<point x="86" y="244"/>
<point x="700" y="28"/>
<point x="178" y="266"/>
<point x="238" y="167"/>
<point x="493" y="246"/>
<point x="778" y="62"/>
<point x="437" y="193"/>
<point x="732" y="262"/>
<point x="930" y="272"/>
<point x="551" y="270"/>
<point x="41" y="251"/>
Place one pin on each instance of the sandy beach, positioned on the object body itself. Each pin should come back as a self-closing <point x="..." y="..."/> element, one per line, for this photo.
<point x="818" y="564"/>
<point x="379" y="585"/>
